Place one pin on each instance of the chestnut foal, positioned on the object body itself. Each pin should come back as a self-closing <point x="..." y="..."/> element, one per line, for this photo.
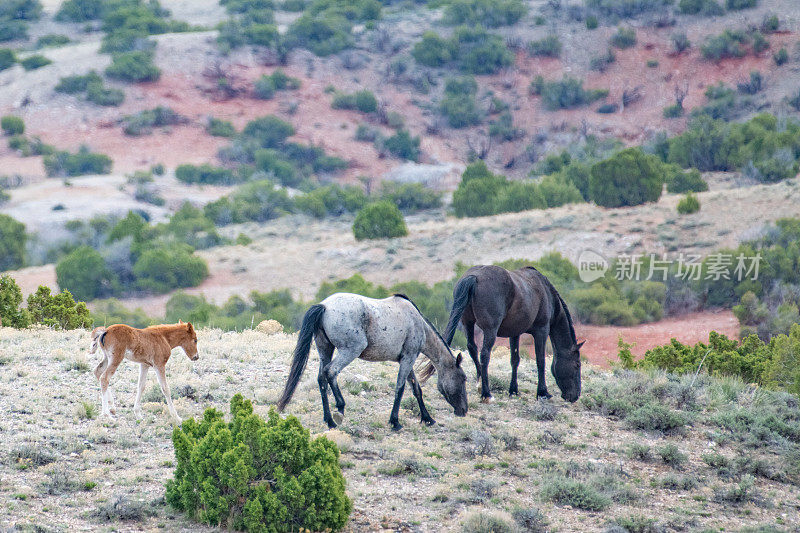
<point x="150" y="347"/>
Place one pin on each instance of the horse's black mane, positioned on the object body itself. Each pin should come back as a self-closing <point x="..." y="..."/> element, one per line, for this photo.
<point x="560" y="302"/>
<point x="404" y="297"/>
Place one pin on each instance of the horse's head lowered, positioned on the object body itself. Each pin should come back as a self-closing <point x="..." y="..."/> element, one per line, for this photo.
<point x="566" y="369"/>
<point x="452" y="384"/>
<point x="189" y="341"/>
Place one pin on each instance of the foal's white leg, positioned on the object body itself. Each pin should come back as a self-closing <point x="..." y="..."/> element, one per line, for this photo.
<point x="162" y="380"/>
<point x="137" y="405"/>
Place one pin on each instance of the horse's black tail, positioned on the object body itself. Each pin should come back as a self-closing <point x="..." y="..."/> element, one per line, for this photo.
<point x="462" y="294"/>
<point x="311" y="323"/>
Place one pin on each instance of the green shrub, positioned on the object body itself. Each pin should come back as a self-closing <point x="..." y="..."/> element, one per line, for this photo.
<point x="380" y="220"/>
<point x="324" y="33"/>
<point x="12" y="125"/>
<point x="12" y="30"/>
<point x="21" y="10"/>
<point x="58" y="310"/>
<point x="688" y="204"/>
<point x="258" y="201"/>
<point x="35" y="61"/>
<point x="740" y="4"/>
<point x="133" y="67"/>
<point x="52" y="40"/>
<point x="607" y="108"/>
<point x="459" y="104"/>
<point x="549" y="46"/>
<point x="162" y="269"/>
<point x="680" y="42"/>
<point x="725" y="45"/>
<point x="77" y="84"/>
<point x="142" y="123"/>
<point x="272" y="162"/>
<point x="630" y="177"/>
<point x="266" y="86"/>
<point x="705" y="8"/>
<point x="112" y="311"/>
<point x="672" y="455"/>
<point x="754" y="85"/>
<point x="7" y="58"/>
<point x="12" y="243"/>
<point x="433" y="50"/>
<point x="471" y="49"/>
<point x="624" y="38"/>
<point x="488" y="13"/>
<point x="98" y="94"/>
<point x="11" y="315"/>
<point x="781" y="57"/>
<point x="204" y="174"/>
<point x="503" y="128"/>
<point x="627" y="8"/>
<point x="691" y="181"/>
<point x="268" y="131"/>
<point x="335" y="200"/>
<point x="655" y="417"/>
<point x="257" y="475"/>
<point x="568" y="93"/>
<point x="83" y="162"/>
<point x="486" y="522"/>
<point x="220" y="128"/>
<point x="673" y="111"/>
<point x="403" y="145"/>
<point x="566" y="491"/>
<point x="85" y="273"/>
<point x="363" y="101"/>
<point x="410" y="197"/>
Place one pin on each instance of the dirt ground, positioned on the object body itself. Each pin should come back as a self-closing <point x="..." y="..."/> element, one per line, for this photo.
<point x="419" y="479"/>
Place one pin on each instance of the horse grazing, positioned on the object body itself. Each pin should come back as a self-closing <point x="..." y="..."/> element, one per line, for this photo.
<point x="392" y="329"/>
<point x="150" y="347"/>
<point x="507" y="304"/>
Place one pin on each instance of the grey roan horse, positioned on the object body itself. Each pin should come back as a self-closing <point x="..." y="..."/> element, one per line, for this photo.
<point x="392" y="329"/>
<point x="507" y="304"/>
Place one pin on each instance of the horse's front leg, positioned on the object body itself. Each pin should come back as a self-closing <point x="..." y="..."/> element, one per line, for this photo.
<point x="406" y="367"/>
<point x="513" y="343"/>
<point x="539" y="342"/>
<point x="417" y="390"/>
<point x="486" y="351"/>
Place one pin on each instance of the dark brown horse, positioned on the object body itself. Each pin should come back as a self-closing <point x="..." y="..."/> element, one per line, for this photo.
<point x="507" y="304"/>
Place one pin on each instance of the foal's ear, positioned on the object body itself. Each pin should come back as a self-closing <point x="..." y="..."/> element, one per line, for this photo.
<point x="459" y="357"/>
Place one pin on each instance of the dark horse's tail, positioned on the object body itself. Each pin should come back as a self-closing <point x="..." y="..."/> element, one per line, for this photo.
<point x="311" y="323"/>
<point x="462" y="294"/>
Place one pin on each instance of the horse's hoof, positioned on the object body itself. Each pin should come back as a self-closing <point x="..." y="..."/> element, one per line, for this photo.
<point x="429" y="422"/>
<point x="488" y="399"/>
<point x="138" y="415"/>
<point x="113" y="411"/>
<point x="543" y="396"/>
<point x="513" y="393"/>
<point x="396" y="427"/>
<point x="338" y="417"/>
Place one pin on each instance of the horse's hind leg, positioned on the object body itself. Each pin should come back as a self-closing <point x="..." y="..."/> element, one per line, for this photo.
<point x="489" y="336"/>
<point x="539" y="342"/>
<point x="325" y="350"/>
<point x="105" y="379"/>
<point x="417" y="390"/>
<point x="513" y="343"/>
<point x="472" y="348"/>
<point x="327" y="374"/>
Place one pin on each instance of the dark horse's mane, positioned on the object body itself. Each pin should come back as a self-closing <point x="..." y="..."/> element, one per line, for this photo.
<point x="560" y="302"/>
<point x="404" y="297"/>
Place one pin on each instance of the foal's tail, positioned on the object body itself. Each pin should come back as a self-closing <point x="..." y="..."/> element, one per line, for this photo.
<point x="311" y="323"/>
<point x="462" y="294"/>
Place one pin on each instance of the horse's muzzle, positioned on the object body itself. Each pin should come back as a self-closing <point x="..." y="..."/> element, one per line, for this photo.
<point x="195" y="358"/>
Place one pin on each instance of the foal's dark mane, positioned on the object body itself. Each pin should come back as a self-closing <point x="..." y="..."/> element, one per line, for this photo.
<point x="560" y="302"/>
<point x="404" y="297"/>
